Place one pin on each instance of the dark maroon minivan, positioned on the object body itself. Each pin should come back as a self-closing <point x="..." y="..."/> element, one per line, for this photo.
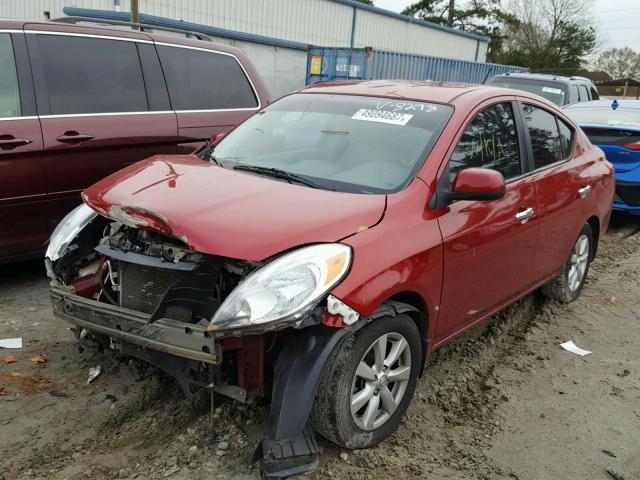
<point x="80" y="102"/>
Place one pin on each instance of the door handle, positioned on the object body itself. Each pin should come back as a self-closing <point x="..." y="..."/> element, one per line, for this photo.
<point x="524" y="214"/>
<point x="9" y="141"/>
<point x="584" y="191"/>
<point x="72" y="137"/>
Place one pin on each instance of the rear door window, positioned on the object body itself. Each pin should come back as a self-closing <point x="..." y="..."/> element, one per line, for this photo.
<point x="9" y="93"/>
<point x="489" y="141"/>
<point x="205" y="80"/>
<point x="544" y="135"/>
<point x="91" y="75"/>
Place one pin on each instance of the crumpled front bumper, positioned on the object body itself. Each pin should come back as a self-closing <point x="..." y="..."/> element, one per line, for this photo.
<point x="191" y="341"/>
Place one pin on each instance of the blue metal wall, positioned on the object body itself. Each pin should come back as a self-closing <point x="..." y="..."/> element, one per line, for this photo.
<point x="377" y="65"/>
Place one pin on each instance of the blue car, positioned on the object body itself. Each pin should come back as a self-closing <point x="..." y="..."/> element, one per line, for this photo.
<point x="614" y="126"/>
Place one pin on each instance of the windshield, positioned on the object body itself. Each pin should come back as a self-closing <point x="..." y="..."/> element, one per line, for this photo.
<point x="622" y="116"/>
<point x="552" y="91"/>
<point x="338" y="142"/>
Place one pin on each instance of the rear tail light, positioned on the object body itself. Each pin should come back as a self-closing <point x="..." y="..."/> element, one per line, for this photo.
<point x="632" y="145"/>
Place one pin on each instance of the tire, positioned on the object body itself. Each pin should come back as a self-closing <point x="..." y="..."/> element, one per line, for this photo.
<point x="565" y="288"/>
<point x="331" y="413"/>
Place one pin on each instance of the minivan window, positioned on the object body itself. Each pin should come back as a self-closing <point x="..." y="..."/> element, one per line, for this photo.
<point x="9" y="94"/>
<point x="91" y="75"/>
<point x="594" y="93"/>
<point x="341" y="142"/>
<point x="204" y="80"/>
<point x="545" y="139"/>
<point x="489" y="141"/>
<point x="575" y="94"/>
<point x="584" y="93"/>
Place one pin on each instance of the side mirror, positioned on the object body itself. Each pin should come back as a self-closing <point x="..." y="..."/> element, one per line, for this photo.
<point x="478" y="184"/>
<point x="470" y="184"/>
<point x="216" y="137"/>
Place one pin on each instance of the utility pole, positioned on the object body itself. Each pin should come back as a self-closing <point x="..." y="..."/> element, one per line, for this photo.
<point x="452" y="6"/>
<point x="135" y="16"/>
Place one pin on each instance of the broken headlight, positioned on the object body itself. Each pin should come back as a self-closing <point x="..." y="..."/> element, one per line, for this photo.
<point x="285" y="289"/>
<point x="67" y="230"/>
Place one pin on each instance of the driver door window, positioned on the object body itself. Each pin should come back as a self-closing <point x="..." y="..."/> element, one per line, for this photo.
<point x="489" y="141"/>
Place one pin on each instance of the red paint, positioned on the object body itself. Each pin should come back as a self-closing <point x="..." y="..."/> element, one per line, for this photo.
<point x="479" y="180"/>
<point x="459" y="264"/>
<point x="233" y="214"/>
<point x="41" y="182"/>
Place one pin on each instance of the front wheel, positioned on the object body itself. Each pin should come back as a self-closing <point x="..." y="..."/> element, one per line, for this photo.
<point x="367" y="385"/>
<point x="568" y="285"/>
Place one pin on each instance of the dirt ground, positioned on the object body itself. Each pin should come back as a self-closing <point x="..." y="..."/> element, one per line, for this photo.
<point x="503" y="402"/>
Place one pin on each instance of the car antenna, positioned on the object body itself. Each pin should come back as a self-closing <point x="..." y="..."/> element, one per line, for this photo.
<point x="487" y="75"/>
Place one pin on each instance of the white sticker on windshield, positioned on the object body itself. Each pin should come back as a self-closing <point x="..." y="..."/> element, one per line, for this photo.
<point x="552" y="90"/>
<point x="382" y="116"/>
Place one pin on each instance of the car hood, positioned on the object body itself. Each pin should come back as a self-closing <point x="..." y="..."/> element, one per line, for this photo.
<point x="228" y="213"/>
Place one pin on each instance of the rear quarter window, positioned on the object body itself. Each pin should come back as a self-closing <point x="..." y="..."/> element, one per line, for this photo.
<point x="567" y="136"/>
<point x="205" y="80"/>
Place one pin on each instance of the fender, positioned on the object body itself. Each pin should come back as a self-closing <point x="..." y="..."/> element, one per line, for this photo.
<point x="290" y="447"/>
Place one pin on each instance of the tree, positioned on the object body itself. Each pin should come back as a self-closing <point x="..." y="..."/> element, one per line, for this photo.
<point x="484" y="17"/>
<point x="367" y="2"/>
<point x="551" y="35"/>
<point x="619" y="63"/>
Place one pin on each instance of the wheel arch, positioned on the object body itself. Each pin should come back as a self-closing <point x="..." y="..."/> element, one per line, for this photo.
<point x="415" y="306"/>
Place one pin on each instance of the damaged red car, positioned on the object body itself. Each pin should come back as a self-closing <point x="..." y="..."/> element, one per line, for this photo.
<point x="325" y="247"/>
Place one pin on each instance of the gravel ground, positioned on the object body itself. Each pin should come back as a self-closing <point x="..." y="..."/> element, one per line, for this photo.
<point x="502" y="402"/>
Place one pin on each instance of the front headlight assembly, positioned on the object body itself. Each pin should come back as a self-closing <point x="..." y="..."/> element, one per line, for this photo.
<point x="67" y="230"/>
<point x="285" y="290"/>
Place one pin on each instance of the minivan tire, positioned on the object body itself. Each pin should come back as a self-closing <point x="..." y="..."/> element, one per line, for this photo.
<point x="560" y="288"/>
<point x="331" y="414"/>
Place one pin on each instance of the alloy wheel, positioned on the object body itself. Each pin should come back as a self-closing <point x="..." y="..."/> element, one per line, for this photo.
<point x="380" y="381"/>
<point x="578" y="263"/>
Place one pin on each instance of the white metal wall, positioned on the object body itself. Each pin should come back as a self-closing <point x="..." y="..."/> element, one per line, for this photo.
<point x="314" y="22"/>
<point x="281" y="69"/>
<point x="317" y="22"/>
<point x="384" y="33"/>
<point x="34" y="9"/>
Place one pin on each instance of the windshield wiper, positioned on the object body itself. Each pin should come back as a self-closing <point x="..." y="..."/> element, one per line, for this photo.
<point x="283" y="174"/>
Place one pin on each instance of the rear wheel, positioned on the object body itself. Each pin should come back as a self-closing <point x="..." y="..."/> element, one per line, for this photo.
<point x="568" y="285"/>
<point x="368" y="384"/>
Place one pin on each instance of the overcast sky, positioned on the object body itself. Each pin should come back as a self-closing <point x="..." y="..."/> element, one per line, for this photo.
<point x="618" y="20"/>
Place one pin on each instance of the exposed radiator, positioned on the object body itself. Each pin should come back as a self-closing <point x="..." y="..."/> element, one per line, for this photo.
<point x="143" y="288"/>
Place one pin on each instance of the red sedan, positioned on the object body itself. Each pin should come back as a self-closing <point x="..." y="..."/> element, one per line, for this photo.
<point x="329" y="244"/>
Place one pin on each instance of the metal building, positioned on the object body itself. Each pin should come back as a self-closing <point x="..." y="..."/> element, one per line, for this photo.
<point x="297" y="42"/>
<point x="331" y="23"/>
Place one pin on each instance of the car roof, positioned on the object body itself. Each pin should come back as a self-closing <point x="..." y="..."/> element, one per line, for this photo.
<point x="422" y="91"/>
<point x="605" y="104"/>
<point x="544" y="76"/>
